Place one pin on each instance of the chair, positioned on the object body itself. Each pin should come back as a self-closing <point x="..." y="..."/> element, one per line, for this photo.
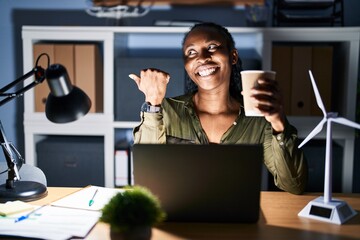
<point x="308" y="13"/>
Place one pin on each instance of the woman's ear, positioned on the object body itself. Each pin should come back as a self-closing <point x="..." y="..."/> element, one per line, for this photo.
<point x="234" y="56"/>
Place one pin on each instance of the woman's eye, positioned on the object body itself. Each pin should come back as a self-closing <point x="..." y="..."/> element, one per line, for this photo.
<point x="191" y="52"/>
<point x="212" y="47"/>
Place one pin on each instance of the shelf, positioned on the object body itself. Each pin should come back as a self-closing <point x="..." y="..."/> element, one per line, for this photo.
<point x="127" y="43"/>
<point x="294" y="18"/>
<point x="311" y="13"/>
<point x="305" y="5"/>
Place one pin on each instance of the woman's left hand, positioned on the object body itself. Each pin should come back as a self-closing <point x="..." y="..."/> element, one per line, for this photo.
<point x="268" y="99"/>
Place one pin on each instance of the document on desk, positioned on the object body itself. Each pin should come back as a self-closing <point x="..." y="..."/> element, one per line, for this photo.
<point x="63" y="219"/>
<point x="88" y="198"/>
<point x="53" y="223"/>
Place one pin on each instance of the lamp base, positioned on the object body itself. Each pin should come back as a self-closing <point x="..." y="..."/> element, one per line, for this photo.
<point x="22" y="190"/>
<point x="336" y="211"/>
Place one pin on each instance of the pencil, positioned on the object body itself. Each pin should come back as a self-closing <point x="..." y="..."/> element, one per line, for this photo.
<point x="91" y="202"/>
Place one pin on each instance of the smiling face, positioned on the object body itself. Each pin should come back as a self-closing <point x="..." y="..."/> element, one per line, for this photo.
<point x="208" y="59"/>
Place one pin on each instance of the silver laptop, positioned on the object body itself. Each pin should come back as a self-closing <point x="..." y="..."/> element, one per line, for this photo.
<point x="202" y="183"/>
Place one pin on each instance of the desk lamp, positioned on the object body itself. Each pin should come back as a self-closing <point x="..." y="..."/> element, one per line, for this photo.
<point x="325" y="208"/>
<point x="65" y="103"/>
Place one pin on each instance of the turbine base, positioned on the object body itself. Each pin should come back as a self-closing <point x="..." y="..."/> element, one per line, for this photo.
<point x="336" y="211"/>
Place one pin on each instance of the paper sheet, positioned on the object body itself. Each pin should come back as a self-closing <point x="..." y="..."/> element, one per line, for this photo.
<point x="81" y="198"/>
<point x="53" y="223"/>
<point x="66" y="218"/>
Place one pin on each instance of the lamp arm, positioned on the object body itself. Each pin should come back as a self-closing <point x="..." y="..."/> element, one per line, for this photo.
<point x="13" y="168"/>
<point x="13" y="158"/>
<point x="39" y="73"/>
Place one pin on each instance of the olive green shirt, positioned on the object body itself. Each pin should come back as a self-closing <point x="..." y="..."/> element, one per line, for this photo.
<point x="179" y="123"/>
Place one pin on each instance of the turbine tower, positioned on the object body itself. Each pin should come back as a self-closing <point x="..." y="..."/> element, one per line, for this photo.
<point x="325" y="208"/>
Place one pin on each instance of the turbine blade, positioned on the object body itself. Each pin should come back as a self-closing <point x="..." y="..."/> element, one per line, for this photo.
<point x="317" y="94"/>
<point x="346" y="122"/>
<point x="315" y="131"/>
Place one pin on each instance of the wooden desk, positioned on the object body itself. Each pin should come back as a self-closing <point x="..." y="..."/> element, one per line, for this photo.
<point x="278" y="221"/>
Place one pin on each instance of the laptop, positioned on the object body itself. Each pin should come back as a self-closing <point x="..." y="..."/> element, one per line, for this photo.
<point x="202" y="183"/>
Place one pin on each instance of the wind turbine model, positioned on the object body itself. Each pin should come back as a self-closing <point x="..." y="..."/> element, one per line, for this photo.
<point x="326" y="208"/>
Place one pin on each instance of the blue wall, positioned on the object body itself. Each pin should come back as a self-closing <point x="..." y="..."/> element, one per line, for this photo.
<point x="15" y="13"/>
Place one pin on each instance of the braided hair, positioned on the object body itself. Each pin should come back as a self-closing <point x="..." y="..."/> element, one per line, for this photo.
<point x="235" y="78"/>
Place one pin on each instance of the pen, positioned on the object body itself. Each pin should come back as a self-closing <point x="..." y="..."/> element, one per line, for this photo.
<point x="23" y="217"/>
<point x="91" y="202"/>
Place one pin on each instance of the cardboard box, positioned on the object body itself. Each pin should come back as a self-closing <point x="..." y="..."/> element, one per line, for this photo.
<point x="83" y="64"/>
<point x="322" y="65"/>
<point x="65" y="55"/>
<point x="282" y="65"/>
<point x="301" y="89"/>
<point x="89" y="73"/>
<point x="292" y="64"/>
<point x="58" y="53"/>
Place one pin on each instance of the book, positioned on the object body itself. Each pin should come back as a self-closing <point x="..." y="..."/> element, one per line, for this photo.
<point x="121" y="168"/>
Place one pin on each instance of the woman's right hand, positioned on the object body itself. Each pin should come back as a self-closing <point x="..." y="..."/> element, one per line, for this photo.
<point x="152" y="82"/>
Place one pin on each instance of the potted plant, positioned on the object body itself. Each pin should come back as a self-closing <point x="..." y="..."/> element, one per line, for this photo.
<point x="132" y="213"/>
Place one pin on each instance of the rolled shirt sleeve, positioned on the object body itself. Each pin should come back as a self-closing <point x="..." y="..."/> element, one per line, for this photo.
<point x="151" y="129"/>
<point x="284" y="160"/>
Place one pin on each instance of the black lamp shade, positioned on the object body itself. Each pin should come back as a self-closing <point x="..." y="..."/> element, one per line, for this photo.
<point x="65" y="103"/>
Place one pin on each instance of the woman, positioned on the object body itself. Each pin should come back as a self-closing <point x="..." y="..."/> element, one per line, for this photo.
<point x="212" y="112"/>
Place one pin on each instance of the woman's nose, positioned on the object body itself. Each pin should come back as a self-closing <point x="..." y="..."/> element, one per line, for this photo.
<point x="204" y="56"/>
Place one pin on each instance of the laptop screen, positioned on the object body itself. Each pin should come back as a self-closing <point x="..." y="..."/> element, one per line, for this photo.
<point x="202" y="183"/>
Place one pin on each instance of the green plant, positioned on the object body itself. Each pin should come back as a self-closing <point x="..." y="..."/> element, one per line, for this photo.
<point x="135" y="207"/>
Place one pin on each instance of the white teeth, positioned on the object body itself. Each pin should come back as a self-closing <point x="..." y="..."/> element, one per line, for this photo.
<point x="206" y="72"/>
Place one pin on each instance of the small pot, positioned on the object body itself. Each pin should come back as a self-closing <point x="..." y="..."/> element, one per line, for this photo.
<point x="134" y="233"/>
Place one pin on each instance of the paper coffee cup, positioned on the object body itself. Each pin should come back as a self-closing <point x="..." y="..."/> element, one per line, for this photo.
<point x="249" y="80"/>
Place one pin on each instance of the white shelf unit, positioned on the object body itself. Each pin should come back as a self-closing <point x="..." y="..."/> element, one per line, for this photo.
<point x="95" y="124"/>
<point x="103" y="124"/>
<point x="348" y="39"/>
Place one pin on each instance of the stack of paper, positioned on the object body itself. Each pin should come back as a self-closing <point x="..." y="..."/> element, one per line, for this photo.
<point x="14" y="207"/>
<point x="66" y="218"/>
<point x="51" y="223"/>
